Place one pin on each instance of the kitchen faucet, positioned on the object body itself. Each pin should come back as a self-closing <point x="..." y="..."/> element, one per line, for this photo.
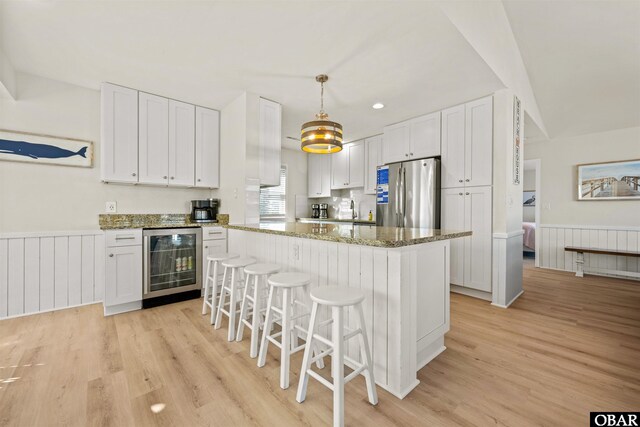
<point x="353" y="210"/>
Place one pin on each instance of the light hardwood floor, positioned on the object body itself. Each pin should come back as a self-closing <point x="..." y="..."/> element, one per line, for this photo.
<point x="566" y="347"/>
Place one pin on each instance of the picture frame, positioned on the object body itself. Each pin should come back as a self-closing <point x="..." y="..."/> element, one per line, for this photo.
<point x="529" y="198"/>
<point x="18" y="146"/>
<point x="613" y="180"/>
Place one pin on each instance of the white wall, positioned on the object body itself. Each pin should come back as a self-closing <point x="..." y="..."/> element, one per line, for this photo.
<point x="37" y="197"/>
<point x="296" y="161"/>
<point x="559" y="158"/>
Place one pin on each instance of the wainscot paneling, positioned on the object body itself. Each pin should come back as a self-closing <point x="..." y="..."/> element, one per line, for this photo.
<point x="49" y="271"/>
<point x="554" y="238"/>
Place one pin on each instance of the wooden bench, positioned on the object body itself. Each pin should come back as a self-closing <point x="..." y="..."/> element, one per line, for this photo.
<point x="580" y="260"/>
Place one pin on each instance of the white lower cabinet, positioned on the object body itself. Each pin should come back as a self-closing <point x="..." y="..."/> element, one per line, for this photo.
<point x="214" y="242"/>
<point x="469" y="209"/>
<point x="123" y="271"/>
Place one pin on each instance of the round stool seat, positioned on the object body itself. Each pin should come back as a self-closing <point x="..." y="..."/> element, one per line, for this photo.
<point x="289" y="280"/>
<point x="261" y="269"/>
<point x="221" y="256"/>
<point x="338" y="296"/>
<point x="238" y="262"/>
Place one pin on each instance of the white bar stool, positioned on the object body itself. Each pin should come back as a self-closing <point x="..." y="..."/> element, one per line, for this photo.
<point x="211" y="283"/>
<point x="253" y="294"/>
<point x="337" y="298"/>
<point x="287" y="283"/>
<point x="236" y="265"/>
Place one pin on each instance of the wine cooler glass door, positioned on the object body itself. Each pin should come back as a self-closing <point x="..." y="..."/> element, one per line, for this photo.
<point x="172" y="263"/>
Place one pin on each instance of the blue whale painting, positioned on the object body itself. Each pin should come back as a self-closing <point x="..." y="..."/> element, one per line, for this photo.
<point x="38" y="151"/>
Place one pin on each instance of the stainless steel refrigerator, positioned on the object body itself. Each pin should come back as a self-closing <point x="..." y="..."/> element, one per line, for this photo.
<point x="408" y="194"/>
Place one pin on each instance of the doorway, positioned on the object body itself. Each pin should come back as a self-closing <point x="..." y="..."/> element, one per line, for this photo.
<point x="531" y="202"/>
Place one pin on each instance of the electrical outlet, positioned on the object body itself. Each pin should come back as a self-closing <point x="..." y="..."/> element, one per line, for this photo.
<point x="110" y="207"/>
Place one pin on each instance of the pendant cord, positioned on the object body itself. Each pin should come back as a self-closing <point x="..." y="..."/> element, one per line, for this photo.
<point x="321" y="97"/>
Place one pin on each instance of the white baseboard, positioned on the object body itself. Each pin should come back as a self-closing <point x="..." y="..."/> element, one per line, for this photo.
<point x="510" y="302"/>
<point x="49" y="310"/>
<point x="471" y="292"/>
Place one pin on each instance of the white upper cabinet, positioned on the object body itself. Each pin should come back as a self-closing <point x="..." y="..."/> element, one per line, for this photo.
<point x="347" y="166"/>
<point x="412" y="139"/>
<point x="478" y="142"/>
<point x="270" y="142"/>
<point x="207" y="148"/>
<point x="425" y="136"/>
<point x="467" y="141"/>
<point x="395" y="145"/>
<point x="452" y="165"/>
<point x="319" y="175"/>
<point x="182" y="136"/>
<point x="153" y="139"/>
<point x="373" y="156"/>
<point x="119" y="134"/>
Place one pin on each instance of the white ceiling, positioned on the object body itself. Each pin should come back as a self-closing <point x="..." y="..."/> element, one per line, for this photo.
<point x="583" y="61"/>
<point x="407" y="55"/>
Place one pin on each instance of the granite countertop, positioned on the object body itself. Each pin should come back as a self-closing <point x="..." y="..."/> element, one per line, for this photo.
<point x="365" y="235"/>
<point x="122" y="221"/>
<point x="346" y="221"/>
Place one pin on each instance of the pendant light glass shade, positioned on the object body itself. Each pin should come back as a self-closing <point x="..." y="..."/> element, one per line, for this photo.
<point x="321" y="136"/>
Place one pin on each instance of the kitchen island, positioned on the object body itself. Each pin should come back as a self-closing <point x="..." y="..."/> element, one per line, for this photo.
<point x="404" y="273"/>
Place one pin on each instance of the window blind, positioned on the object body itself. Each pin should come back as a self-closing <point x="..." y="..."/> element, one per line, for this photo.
<point x="273" y="199"/>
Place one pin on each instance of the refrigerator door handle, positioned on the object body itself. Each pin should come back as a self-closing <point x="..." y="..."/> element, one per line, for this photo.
<point x="397" y="198"/>
<point x="403" y="191"/>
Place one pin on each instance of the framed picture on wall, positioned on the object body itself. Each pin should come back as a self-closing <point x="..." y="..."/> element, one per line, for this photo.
<point x="528" y="198"/>
<point x="617" y="180"/>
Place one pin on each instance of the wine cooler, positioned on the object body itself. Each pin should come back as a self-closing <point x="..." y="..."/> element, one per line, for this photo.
<point x="172" y="263"/>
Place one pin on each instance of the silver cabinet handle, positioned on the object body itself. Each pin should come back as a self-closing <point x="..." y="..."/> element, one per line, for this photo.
<point x="467" y="194"/>
<point x="133" y="174"/>
<point x="406" y="155"/>
<point x="125" y="237"/>
<point x="206" y="247"/>
<point x="467" y="180"/>
<point x="411" y="154"/>
<point x="199" y="180"/>
<point x="110" y="255"/>
<point x="165" y="177"/>
<point x="459" y="180"/>
<point x="460" y="194"/>
<point x="172" y="178"/>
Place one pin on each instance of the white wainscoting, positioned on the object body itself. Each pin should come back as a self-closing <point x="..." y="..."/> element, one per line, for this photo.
<point x="50" y="271"/>
<point x="553" y="239"/>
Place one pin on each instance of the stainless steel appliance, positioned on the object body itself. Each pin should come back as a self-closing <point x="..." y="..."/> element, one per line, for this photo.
<point x="408" y="194"/>
<point x="204" y="210"/>
<point x="324" y="211"/>
<point x="172" y="263"/>
<point x="315" y="210"/>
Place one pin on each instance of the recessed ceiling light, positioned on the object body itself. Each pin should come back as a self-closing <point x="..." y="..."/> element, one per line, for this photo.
<point x="378" y="105"/>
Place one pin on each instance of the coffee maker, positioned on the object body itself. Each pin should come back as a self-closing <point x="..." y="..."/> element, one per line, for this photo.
<point x="315" y="210"/>
<point x="204" y="210"/>
<point x="324" y="211"/>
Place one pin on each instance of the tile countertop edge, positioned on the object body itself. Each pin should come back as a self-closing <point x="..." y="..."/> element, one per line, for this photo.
<point x="353" y="240"/>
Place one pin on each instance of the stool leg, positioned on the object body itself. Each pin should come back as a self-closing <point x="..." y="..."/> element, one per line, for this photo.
<point x="306" y="360"/>
<point x="206" y="289"/>
<point x="337" y="364"/>
<point x="285" y="347"/>
<point x="255" y="318"/>
<point x="244" y="306"/>
<point x="264" y="344"/>
<point x="214" y="291"/>
<point x="223" y="296"/>
<point x="233" y="302"/>
<point x="366" y="358"/>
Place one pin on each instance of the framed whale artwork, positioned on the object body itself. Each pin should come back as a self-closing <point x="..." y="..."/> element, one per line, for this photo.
<point x="45" y="149"/>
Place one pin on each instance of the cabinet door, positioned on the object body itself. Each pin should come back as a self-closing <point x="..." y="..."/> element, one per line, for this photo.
<point x="479" y="142"/>
<point x="452" y="174"/>
<point x="210" y="247"/>
<point x="356" y="165"/>
<point x="270" y="142"/>
<point x="425" y="136"/>
<point x="153" y="140"/>
<point x="123" y="275"/>
<point x="477" y="257"/>
<point x="182" y="143"/>
<point x="207" y="148"/>
<point x="452" y="218"/>
<point x="395" y="144"/>
<point x="119" y="134"/>
<point x="340" y="168"/>
<point x="373" y="159"/>
<point x="319" y="175"/>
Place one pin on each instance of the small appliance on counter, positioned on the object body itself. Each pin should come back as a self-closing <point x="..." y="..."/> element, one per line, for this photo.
<point x="204" y="210"/>
<point x="324" y="211"/>
<point x="315" y="210"/>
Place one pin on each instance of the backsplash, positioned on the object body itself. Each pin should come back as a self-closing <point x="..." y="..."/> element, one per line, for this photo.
<point x="339" y="204"/>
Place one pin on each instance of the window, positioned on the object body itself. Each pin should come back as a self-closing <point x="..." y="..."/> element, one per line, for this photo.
<point x="273" y="200"/>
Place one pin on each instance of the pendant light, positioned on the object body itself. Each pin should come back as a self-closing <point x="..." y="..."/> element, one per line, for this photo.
<point x="321" y="136"/>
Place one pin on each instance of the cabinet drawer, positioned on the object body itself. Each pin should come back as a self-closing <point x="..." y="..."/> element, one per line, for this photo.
<point x="214" y="233"/>
<point x="128" y="237"/>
